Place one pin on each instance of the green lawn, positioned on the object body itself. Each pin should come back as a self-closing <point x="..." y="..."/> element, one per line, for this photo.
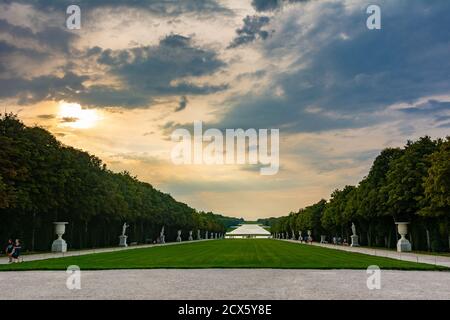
<point x="253" y="253"/>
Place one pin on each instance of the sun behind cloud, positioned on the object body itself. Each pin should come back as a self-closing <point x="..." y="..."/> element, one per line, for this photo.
<point x="74" y="116"/>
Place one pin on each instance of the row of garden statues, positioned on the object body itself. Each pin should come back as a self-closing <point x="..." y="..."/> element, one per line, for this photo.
<point x="285" y="235"/>
<point x="162" y="237"/>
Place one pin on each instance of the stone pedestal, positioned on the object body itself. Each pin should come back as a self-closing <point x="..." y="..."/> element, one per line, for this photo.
<point x="123" y="241"/>
<point x="59" y="245"/>
<point x="403" y="245"/>
<point x="355" y="240"/>
<point x="323" y="239"/>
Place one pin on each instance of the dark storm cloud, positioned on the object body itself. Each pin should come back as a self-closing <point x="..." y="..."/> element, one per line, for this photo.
<point x="9" y="50"/>
<point x="41" y="88"/>
<point x="251" y="30"/>
<point x="104" y="96"/>
<point x="270" y="5"/>
<point x="161" y="7"/>
<point x="52" y="38"/>
<point x="153" y="69"/>
<point x="34" y="47"/>
<point x="349" y="73"/>
<point x="182" y="104"/>
<point x="144" y="72"/>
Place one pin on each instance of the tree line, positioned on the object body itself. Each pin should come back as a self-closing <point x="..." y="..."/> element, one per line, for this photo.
<point x="42" y="181"/>
<point x="409" y="184"/>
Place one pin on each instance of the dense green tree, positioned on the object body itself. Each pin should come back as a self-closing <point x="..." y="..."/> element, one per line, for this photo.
<point x="42" y="181"/>
<point x="405" y="178"/>
<point x="436" y="203"/>
<point x="437" y="183"/>
<point x="336" y="216"/>
<point x="410" y="184"/>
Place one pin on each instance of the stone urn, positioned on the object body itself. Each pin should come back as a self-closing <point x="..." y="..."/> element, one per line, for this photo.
<point x="403" y="245"/>
<point x="59" y="245"/>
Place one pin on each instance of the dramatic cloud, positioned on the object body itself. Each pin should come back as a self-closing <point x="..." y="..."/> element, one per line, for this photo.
<point x="251" y="30"/>
<point x="338" y="92"/>
<point x="154" y="68"/>
<point x="24" y="51"/>
<point x="144" y="72"/>
<point x="41" y="88"/>
<point x="161" y="7"/>
<point x="149" y="71"/>
<point x="343" y="75"/>
<point x="49" y="38"/>
<point x="270" y="5"/>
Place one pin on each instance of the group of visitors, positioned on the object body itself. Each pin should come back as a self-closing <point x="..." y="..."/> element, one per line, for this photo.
<point x="339" y="241"/>
<point x="12" y="250"/>
<point x="306" y="239"/>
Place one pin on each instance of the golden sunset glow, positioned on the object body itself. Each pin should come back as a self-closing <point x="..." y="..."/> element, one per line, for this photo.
<point x="74" y="116"/>
<point x="123" y="83"/>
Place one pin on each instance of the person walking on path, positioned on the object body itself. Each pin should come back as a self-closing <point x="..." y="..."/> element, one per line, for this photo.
<point x="9" y="249"/>
<point x="16" y="251"/>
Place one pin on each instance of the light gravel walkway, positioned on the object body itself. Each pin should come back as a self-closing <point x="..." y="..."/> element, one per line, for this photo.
<point x="225" y="284"/>
<point x="406" y="256"/>
<point x="51" y="255"/>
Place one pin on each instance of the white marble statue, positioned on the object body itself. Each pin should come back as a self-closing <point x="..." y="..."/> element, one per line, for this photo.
<point x="198" y="235"/>
<point x="162" y="237"/>
<point x="124" y="228"/>
<point x="354" y="237"/>
<point x="190" y="236"/>
<point x="179" y="236"/>
<point x="123" y="237"/>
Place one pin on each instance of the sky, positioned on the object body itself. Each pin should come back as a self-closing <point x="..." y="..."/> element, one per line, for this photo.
<point x="137" y="70"/>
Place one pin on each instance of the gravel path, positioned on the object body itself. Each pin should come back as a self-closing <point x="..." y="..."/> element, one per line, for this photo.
<point x="225" y="284"/>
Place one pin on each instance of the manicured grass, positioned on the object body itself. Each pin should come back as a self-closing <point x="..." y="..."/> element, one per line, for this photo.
<point x="251" y="253"/>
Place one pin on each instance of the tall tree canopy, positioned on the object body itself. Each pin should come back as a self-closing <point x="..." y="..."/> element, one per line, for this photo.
<point x="42" y="181"/>
<point x="410" y="184"/>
